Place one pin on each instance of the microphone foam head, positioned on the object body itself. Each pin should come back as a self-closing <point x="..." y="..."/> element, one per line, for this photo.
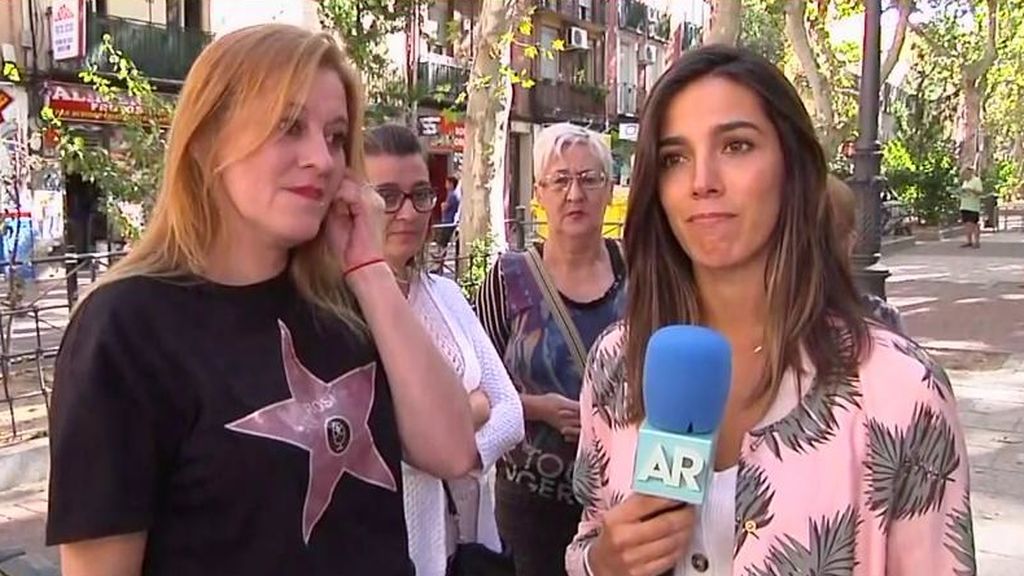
<point x="687" y="373"/>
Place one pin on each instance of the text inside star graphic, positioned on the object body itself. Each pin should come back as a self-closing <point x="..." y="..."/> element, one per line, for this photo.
<point x="330" y="420"/>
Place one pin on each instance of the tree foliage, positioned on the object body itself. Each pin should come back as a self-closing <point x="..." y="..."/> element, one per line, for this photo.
<point x="763" y="30"/>
<point x="364" y="27"/>
<point x="129" y="173"/>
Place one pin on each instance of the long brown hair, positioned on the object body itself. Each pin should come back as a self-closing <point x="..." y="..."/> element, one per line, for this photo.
<point x="233" y="100"/>
<point x="810" y="292"/>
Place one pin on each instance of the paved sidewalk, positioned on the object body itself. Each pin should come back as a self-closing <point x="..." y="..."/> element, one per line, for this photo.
<point x="962" y="298"/>
<point x="992" y="414"/>
<point x="967" y="305"/>
<point x="23" y="521"/>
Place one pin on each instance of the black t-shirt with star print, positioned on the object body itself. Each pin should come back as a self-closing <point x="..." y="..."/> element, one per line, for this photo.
<point x="243" y="431"/>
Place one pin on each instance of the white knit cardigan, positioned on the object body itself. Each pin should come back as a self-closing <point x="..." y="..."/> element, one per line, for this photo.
<point x="455" y="329"/>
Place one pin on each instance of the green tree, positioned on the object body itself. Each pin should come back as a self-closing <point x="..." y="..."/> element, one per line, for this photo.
<point x="129" y="174"/>
<point x="1004" y="106"/>
<point x="964" y="36"/>
<point x="364" y="27"/>
<point x="825" y="70"/>
<point x="763" y="29"/>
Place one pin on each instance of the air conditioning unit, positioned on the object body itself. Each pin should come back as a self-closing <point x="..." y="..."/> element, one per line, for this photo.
<point x="649" y="54"/>
<point x="578" y="38"/>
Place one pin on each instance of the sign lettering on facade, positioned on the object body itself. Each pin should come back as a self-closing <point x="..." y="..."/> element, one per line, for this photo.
<point x="67" y="29"/>
<point x="77" y="103"/>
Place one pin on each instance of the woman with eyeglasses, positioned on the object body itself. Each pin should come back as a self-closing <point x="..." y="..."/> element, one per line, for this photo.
<point x="441" y="514"/>
<point x="543" y="309"/>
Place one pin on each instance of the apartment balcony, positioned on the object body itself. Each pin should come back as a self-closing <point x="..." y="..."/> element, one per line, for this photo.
<point x="160" y="52"/>
<point x="692" y="35"/>
<point x="590" y="11"/>
<point x="558" y="101"/>
<point x="441" y="83"/>
<point x="640" y="18"/>
<point x="631" y="99"/>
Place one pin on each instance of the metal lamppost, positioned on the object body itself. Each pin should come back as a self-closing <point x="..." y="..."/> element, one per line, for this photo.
<point x="866" y="183"/>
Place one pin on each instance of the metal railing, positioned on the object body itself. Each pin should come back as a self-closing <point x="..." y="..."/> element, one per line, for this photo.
<point x="441" y="82"/>
<point x="163" y="52"/>
<point x="580" y="10"/>
<point x="33" y="315"/>
<point x="628" y="101"/>
<point x="561" y="100"/>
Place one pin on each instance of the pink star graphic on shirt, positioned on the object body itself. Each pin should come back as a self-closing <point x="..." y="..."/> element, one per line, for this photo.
<point x="330" y="420"/>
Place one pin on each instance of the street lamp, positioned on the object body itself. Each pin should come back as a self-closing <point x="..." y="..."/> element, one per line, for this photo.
<point x="868" y="270"/>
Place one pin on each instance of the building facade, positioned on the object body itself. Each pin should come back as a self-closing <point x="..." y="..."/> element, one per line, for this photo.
<point x="45" y="44"/>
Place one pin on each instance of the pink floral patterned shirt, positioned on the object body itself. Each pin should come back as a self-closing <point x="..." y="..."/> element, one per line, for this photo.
<point x="866" y="474"/>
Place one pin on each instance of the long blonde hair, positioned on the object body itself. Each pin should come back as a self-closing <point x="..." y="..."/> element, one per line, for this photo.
<point x="234" y="98"/>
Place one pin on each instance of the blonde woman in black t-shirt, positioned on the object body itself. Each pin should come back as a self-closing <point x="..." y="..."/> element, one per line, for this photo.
<point x="236" y="396"/>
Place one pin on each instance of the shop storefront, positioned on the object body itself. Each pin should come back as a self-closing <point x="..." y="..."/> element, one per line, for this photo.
<point x="444" y="140"/>
<point x="100" y="122"/>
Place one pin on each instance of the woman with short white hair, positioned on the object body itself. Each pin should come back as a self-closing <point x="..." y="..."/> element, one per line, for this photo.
<point x="543" y="308"/>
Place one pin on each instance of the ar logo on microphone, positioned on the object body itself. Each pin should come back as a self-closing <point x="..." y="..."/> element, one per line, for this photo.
<point x="682" y="469"/>
<point x="339" y="434"/>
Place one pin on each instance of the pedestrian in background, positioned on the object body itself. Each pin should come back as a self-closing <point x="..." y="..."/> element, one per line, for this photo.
<point x="971" y="192"/>
<point x="843" y="208"/>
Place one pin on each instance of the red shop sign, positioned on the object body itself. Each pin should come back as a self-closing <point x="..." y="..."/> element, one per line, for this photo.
<point x="78" y="103"/>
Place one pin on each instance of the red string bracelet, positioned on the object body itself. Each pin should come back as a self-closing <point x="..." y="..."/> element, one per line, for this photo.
<point x="363" y="265"/>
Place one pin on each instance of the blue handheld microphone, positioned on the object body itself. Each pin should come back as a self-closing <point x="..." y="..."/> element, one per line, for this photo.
<point x="687" y="372"/>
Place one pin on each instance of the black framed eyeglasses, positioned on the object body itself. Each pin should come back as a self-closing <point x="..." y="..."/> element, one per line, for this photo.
<point x="423" y="198"/>
<point x="589" y="181"/>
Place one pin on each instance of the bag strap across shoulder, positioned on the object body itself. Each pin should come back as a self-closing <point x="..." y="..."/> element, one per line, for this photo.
<point x="557" y="307"/>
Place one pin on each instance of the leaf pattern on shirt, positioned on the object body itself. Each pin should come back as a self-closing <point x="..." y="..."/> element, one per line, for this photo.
<point x="754" y="497"/>
<point x="616" y="498"/>
<point x="813" y="422"/>
<point x="590" y="474"/>
<point x="606" y="371"/>
<point x="934" y="375"/>
<point x="960" y="538"/>
<point x="908" y="471"/>
<point x="831" y="550"/>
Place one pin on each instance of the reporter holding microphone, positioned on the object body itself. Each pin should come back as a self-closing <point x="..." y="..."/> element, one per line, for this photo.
<point x="838" y="450"/>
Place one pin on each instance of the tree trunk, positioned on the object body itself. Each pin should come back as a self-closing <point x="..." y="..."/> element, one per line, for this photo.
<point x="973" y="85"/>
<point x="487" y="115"/>
<point x="725" y="22"/>
<point x="821" y="92"/>
<point x="892" y="57"/>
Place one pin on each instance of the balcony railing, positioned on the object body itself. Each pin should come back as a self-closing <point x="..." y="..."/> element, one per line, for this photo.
<point x="631" y="99"/>
<point x="632" y="15"/>
<point x="581" y="10"/>
<point x="627" y="99"/>
<point x="441" y="83"/>
<point x="642" y="19"/>
<point x="162" y="52"/>
<point x="560" y="101"/>
<point x="692" y="34"/>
